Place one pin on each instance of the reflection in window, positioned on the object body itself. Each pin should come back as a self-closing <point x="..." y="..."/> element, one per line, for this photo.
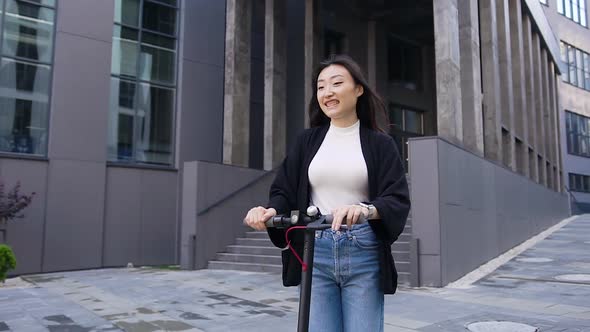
<point x="404" y="64"/>
<point x="405" y="123"/>
<point x="143" y="84"/>
<point x="27" y="31"/>
<point x="578" y="134"/>
<point x="579" y="182"/>
<point x="575" y="10"/>
<point x="578" y="65"/>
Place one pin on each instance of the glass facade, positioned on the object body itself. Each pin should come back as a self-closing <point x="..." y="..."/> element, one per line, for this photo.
<point x="579" y="182"/>
<point x="26" y="49"/>
<point x="578" y="134"/>
<point x="404" y="124"/>
<point x="578" y="66"/>
<point x="575" y="10"/>
<point x="143" y="82"/>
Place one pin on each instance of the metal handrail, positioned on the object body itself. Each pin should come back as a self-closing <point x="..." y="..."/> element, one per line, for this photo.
<point x="234" y="193"/>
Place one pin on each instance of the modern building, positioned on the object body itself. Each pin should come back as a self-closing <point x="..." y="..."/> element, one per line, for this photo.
<point x="148" y="127"/>
<point x="569" y="20"/>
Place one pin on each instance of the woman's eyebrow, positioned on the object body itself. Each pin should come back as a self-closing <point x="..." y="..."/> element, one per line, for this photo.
<point x="321" y="80"/>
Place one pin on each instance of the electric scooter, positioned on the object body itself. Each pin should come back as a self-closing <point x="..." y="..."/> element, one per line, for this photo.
<point x="313" y="221"/>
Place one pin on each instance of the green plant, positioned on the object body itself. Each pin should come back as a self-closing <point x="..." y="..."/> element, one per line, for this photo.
<point x="13" y="202"/>
<point x="7" y="261"/>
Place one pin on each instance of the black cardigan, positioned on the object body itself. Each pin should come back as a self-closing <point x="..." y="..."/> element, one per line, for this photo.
<point x="388" y="192"/>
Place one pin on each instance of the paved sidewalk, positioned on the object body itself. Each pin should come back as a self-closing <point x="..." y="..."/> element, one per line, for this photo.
<point x="547" y="287"/>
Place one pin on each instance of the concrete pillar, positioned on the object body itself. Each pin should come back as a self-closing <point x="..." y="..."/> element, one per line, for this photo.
<point x="520" y="127"/>
<point x="371" y="53"/>
<point x="471" y="96"/>
<point x="312" y="43"/>
<point x="507" y="93"/>
<point x="448" y="70"/>
<point x="275" y="83"/>
<point x="531" y="94"/>
<point x="553" y="124"/>
<point x="539" y="113"/>
<point x="236" y="109"/>
<point x="546" y="132"/>
<point x="558" y="137"/>
<point x="490" y="81"/>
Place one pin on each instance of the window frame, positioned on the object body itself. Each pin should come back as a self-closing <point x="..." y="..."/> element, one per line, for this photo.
<point x="139" y="83"/>
<point x="574" y="10"/>
<point x="574" y="135"/>
<point x="48" y="111"/>
<point x="583" y="180"/>
<point x="570" y="52"/>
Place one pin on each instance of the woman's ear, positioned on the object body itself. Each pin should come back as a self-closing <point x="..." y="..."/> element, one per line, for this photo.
<point x="359" y="90"/>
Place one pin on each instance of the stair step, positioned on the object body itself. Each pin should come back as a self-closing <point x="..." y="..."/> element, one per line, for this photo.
<point x="254" y="242"/>
<point x="401" y="266"/>
<point x="257" y="235"/>
<point x="405" y="237"/>
<point x="403" y="279"/>
<point x="403" y="256"/>
<point x="400" y="246"/>
<point x="256" y="259"/>
<point x="217" y="265"/>
<point x="252" y="250"/>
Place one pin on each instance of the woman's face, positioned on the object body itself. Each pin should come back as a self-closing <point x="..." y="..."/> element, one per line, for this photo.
<point x="338" y="93"/>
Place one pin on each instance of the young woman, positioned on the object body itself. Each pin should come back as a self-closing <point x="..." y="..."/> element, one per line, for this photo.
<point x="346" y="166"/>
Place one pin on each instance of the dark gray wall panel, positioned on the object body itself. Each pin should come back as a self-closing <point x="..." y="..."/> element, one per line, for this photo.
<point x="88" y="18"/>
<point x="75" y="204"/>
<point x="158" y="217"/>
<point x="484" y="209"/>
<point x="79" y="113"/>
<point x="122" y="217"/>
<point x="25" y="235"/>
<point x="206" y="184"/>
<point x="201" y="118"/>
<point x="204" y="32"/>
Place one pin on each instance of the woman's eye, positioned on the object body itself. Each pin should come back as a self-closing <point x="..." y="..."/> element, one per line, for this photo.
<point x="320" y="87"/>
<point x="337" y="83"/>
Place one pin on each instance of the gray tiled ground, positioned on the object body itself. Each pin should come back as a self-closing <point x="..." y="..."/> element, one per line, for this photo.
<point x="208" y="300"/>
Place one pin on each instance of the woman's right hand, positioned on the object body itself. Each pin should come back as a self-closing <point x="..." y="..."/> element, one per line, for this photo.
<point x="257" y="217"/>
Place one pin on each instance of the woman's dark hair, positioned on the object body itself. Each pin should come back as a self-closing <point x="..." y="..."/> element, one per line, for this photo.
<point x="368" y="105"/>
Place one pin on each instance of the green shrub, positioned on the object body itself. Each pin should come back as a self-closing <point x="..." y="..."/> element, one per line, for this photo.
<point x="7" y="261"/>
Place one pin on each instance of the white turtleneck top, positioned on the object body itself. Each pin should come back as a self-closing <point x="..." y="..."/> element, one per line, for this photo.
<point x="338" y="172"/>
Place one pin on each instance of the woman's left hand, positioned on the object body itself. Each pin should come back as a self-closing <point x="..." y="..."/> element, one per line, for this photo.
<point x="349" y="214"/>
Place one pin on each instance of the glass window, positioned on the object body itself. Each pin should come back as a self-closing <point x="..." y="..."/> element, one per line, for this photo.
<point x="28" y="31"/>
<point x="560" y="6"/>
<point x="124" y="51"/>
<point x="155" y="118"/>
<point x="159" y="18"/>
<point x="578" y="134"/>
<point x="575" y="9"/>
<point x="572" y="64"/>
<point x="579" y="69"/>
<point x="568" y="9"/>
<point x="143" y="84"/>
<point x="583" y="13"/>
<point x="127" y="12"/>
<point x="404" y="64"/>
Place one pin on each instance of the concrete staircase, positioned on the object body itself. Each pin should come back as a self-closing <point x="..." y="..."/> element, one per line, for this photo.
<point x="255" y="252"/>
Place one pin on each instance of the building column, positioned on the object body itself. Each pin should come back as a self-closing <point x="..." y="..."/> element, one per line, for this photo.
<point x="471" y="96"/>
<point x="372" y="53"/>
<point x="490" y="81"/>
<point x="553" y="115"/>
<point x="520" y="126"/>
<point x="543" y="115"/>
<point x="448" y="70"/>
<point x="537" y="81"/>
<point x="531" y="96"/>
<point x="562" y="181"/>
<point x="236" y="109"/>
<point x="507" y="92"/>
<point x="311" y="52"/>
<point x="275" y="83"/>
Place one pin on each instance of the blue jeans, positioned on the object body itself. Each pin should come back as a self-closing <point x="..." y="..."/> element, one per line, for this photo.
<point x="346" y="292"/>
